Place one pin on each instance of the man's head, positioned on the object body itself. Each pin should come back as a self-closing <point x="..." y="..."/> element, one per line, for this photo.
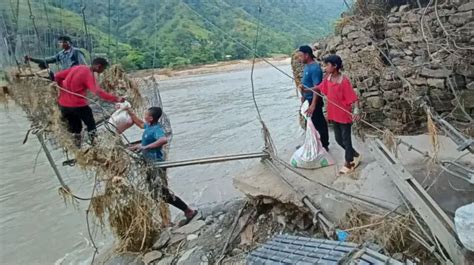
<point x="64" y="42"/>
<point x="333" y="63"/>
<point x="305" y="54"/>
<point x="153" y="115"/>
<point x="99" y="65"/>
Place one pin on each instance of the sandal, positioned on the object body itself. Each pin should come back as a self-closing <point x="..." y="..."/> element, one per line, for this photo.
<point x="357" y="160"/>
<point x="346" y="170"/>
<point x="187" y="219"/>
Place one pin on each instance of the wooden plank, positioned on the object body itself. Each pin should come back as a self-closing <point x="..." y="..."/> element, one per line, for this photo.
<point x="439" y="223"/>
<point x="210" y="160"/>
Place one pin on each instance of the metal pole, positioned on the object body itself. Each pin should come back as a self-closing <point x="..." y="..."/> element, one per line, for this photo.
<point x="50" y="159"/>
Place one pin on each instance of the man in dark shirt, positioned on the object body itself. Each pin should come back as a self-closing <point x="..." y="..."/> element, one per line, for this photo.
<point x="312" y="76"/>
<point x="69" y="56"/>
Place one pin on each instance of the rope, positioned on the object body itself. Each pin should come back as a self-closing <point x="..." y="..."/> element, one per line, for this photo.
<point x="32" y="17"/>
<point x="84" y="21"/>
<point x="109" y="28"/>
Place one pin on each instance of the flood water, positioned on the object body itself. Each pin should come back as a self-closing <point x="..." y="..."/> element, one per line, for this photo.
<point x="211" y="115"/>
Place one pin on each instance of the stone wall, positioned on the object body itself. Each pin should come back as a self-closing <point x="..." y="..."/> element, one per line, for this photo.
<point x="393" y="61"/>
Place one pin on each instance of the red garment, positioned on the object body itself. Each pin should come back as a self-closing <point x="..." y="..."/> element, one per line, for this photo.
<point x="341" y="94"/>
<point x="78" y="79"/>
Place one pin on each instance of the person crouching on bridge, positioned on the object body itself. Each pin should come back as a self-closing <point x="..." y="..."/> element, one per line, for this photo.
<point x="342" y="109"/>
<point x="153" y="140"/>
<point x="74" y="83"/>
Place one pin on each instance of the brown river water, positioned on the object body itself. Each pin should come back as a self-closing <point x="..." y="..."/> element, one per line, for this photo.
<point x="211" y="114"/>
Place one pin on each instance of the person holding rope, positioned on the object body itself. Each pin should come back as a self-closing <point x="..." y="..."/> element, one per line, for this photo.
<point x="153" y="140"/>
<point x="312" y="76"/>
<point x="68" y="57"/>
<point x="74" y="83"/>
<point x="341" y="99"/>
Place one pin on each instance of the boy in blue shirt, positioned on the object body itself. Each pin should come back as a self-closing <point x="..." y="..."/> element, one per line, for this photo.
<point x="312" y="76"/>
<point x="153" y="140"/>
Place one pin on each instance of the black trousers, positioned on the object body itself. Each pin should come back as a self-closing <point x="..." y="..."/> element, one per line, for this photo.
<point x="321" y="124"/>
<point x="155" y="185"/>
<point x="342" y="133"/>
<point x="74" y="116"/>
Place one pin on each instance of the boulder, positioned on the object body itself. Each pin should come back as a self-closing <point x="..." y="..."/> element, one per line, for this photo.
<point x="348" y="29"/>
<point x="467" y="6"/>
<point x="164" y="238"/>
<point x="355" y="35"/>
<point x="375" y="102"/>
<point x="371" y="94"/>
<point x="435" y="73"/>
<point x="393" y="19"/>
<point x="187" y="257"/>
<point x="435" y="82"/>
<point x="152" y="256"/>
<point x="418" y="81"/>
<point x="458" y="81"/>
<point x="461" y="18"/>
<point x="390" y="95"/>
<point x="465" y="70"/>
<point x="191" y="228"/>
<point x="410" y="38"/>
<point x="395" y="53"/>
<point x="166" y="260"/>
<point x="470" y="86"/>
<point x="404" y="8"/>
<point x="333" y="43"/>
<point x="467" y="98"/>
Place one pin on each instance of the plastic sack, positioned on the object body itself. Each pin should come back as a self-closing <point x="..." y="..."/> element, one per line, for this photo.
<point x="312" y="154"/>
<point x="464" y="223"/>
<point x="120" y="119"/>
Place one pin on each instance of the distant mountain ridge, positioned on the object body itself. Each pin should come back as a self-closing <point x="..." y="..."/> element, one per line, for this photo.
<point x="145" y="33"/>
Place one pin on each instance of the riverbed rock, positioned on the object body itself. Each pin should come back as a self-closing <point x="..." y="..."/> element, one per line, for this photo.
<point x="183" y="260"/>
<point x="461" y="18"/>
<point x="124" y="259"/>
<point x="470" y="86"/>
<point x="191" y="228"/>
<point x="166" y="260"/>
<point x="175" y="238"/>
<point x="435" y="82"/>
<point x="192" y="237"/>
<point x="162" y="241"/>
<point x="466" y="7"/>
<point x="152" y="256"/>
<point x="348" y="29"/>
<point x="375" y="102"/>
<point x="435" y="73"/>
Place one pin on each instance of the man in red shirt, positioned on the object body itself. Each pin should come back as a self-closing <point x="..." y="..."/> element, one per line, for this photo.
<point x="341" y="98"/>
<point x="74" y="83"/>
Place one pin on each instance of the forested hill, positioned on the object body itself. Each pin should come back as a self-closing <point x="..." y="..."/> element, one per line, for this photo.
<point x="162" y="33"/>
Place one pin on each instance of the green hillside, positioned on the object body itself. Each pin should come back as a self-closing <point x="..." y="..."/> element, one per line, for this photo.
<point x="163" y="33"/>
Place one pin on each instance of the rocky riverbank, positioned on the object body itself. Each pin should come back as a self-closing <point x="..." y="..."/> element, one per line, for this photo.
<point x="223" y="233"/>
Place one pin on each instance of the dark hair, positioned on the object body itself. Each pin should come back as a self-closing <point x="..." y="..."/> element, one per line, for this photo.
<point x="100" y="61"/>
<point x="65" y="38"/>
<point x="155" y="113"/>
<point x="334" y="60"/>
<point x="306" y="49"/>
